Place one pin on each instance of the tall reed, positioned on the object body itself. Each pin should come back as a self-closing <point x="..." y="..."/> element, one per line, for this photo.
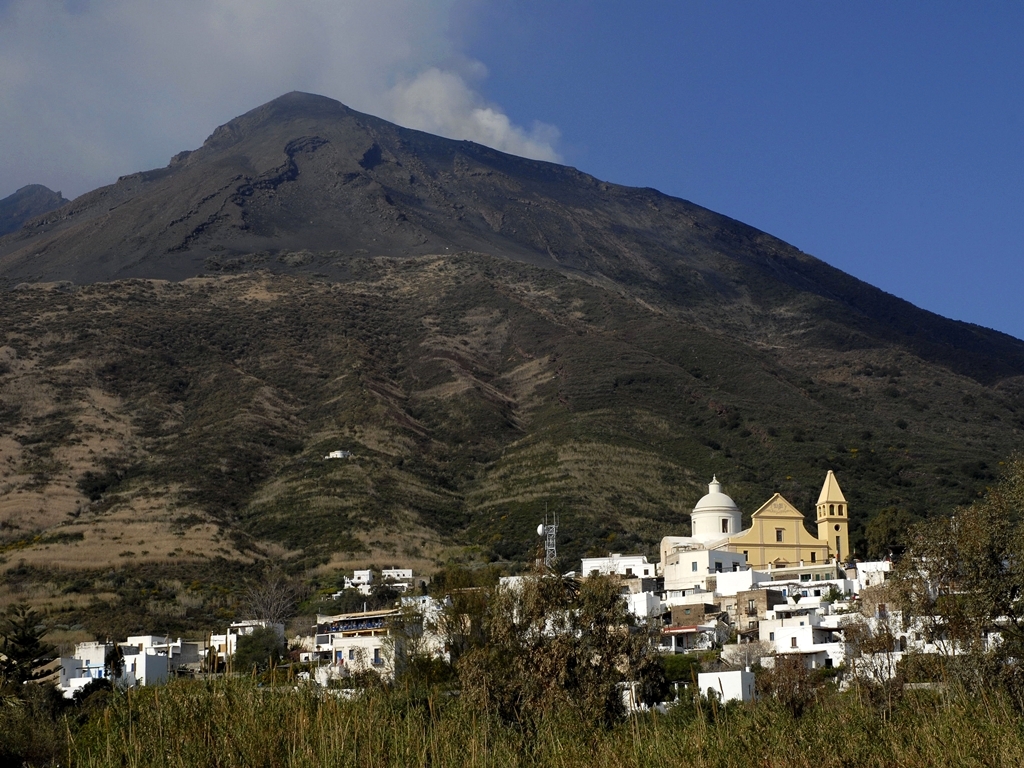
<point x="236" y="723"/>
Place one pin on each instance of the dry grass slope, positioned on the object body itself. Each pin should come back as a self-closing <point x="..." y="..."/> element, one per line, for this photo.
<point x="147" y="423"/>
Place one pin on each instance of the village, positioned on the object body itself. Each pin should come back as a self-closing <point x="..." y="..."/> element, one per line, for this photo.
<point x="741" y="597"/>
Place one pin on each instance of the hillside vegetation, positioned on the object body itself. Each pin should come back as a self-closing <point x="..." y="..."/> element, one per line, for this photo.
<point x="177" y="429"/>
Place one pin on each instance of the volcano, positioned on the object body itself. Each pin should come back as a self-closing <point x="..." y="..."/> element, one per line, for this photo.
<point x="487" y="336"/>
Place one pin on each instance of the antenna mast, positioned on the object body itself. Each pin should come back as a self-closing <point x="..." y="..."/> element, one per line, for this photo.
<point x="550" y="533"/>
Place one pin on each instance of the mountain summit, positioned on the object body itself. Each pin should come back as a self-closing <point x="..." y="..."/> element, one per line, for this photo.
<point x="302" y="180"/>
<point x="27" y="203"/>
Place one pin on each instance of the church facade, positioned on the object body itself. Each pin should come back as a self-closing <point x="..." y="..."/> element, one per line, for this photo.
<point x="777" y="536"/>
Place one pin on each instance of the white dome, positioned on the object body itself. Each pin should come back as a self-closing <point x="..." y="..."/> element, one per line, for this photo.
<point x="715" y="500"/>
<point x="715" y="516"/>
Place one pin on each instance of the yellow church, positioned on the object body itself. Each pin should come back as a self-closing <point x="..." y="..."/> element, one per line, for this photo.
<point x="777" y="536"/>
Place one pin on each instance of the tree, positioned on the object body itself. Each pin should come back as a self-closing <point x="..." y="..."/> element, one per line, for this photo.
<point x="260" y="649"/>
<point x="887" y="531"/>
<point x="833" y="594"/>
<point x="790" y="683"/>
<point x="113" y="662"/>
<point x="412" y="643"/>
<point x="962" y="579"/>
<point x="550" y="643"/>
<point x="21" y="642"/>
<point x="271" y="600"/>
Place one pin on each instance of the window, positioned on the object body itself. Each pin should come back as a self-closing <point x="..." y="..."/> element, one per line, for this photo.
<point x="686" y="611"/>
<point x="778" y="534"/>
<point x="718" y="566"/>
<point x="828" y="662"/>
<point x="377" y="660"/>
<point x="751" y="606"/>
<point x="771" y="636"/>
<point x="838" y="547"/>
<point x="840" y="509"/>
<point x="351" y="654"/>
<point x="814" y="557"/>
<point x="831" y="509"/>
<point x="693" y="566"/>
<point x="805" y="577"/>
<point x="735" y="566"/>
<point x="629" y="571"/>
<point x="792" y="642"/>
<point x="817" y="593"/>
<point x="817" y="577"/>
<point x="725" y="525"/>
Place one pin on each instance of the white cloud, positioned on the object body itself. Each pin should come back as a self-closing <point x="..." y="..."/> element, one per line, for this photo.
<point x="93" y="89"/>
<point x="441" y="102"/>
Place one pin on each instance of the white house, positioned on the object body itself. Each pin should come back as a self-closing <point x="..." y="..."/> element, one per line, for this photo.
<point x="800" y="631"/>
<point x="87" y="664"/>
<point x="733" y="685"/>
<point x="361" y="581"/>
<point x="815" y="593"/>
<point x="402" y="579"/>
<point x="728" y="583"/>
<point x="180" y="653"/>
<point x="689" y="566"/>
<point x="694" y="637"/>
<point x="627" y="566"/>
<point x="644" y="605"/>
<point x="141" y="666"/>
<point x="356" y="642"/>
<point x="224" y="646"/>
<point x="873" y="574"/>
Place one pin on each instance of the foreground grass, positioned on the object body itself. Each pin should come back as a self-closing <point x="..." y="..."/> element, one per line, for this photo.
<point x="235" y="723"/>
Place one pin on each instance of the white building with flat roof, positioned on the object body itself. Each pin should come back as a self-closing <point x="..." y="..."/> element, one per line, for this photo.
<point x="627" y="566"/>
<point x="872" y="574"/>
<point x="95" y="661"/>
<point x="223" y="646"/>
<point x="804" y="634"/>
<point x="356" y="642"/>
<point x="731" y="685"/>
<point x="690" y="566"/>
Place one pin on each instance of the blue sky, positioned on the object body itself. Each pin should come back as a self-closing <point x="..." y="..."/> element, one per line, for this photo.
<point x="884" y="138"/>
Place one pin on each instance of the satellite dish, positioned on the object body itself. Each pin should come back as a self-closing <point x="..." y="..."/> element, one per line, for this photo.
<point x="540" y="529"/>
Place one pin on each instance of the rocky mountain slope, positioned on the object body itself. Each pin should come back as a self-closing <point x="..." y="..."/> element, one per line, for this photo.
<point x="305" y="173"/>
<point x="27" y="203"/>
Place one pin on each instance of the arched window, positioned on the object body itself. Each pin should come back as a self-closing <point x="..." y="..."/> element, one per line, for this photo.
<point x="831" y="509"/>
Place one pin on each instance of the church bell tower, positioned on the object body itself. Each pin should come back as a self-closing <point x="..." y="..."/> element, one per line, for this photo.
<point x="834" y="518"/>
